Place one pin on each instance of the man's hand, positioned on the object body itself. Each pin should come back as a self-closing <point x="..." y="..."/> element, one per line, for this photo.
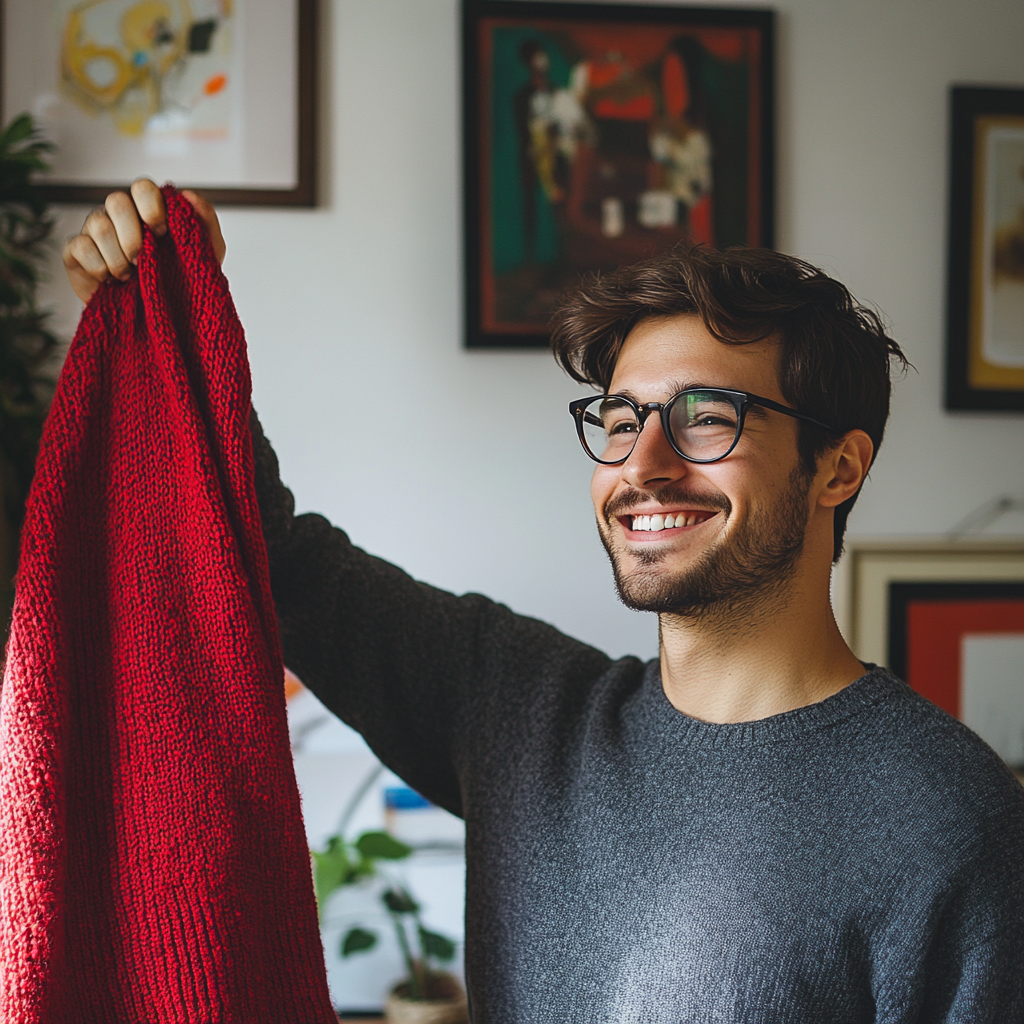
<point x="111" y="237"/>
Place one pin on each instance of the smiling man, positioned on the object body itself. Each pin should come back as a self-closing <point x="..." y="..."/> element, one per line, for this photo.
<point x="754" y="828"/>
<point x="696" y="426"/>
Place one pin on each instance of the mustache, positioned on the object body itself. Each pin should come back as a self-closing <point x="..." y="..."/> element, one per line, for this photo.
<point x="684" y="497"/>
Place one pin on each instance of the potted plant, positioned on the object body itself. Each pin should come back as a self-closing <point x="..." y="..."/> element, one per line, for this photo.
<point x="26" y="346"/>
<point x="428" y="994"/>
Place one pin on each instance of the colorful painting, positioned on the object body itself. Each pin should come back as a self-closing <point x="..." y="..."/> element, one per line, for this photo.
<point x="986" y="261"/>
<point x="150" y="66"/>
<point x="213" y="94"/>
<point x="596" y="135"/>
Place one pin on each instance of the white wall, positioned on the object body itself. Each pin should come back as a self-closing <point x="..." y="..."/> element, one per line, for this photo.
<point x="353" y="310"/>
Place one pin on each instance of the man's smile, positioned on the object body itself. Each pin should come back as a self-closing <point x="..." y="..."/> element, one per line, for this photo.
<point x="640" y="526"/>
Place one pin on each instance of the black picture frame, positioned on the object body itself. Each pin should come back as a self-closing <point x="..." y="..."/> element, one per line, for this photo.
<point x="303" y="194"/>
<point x="927" y="651"/>
<point x="973" y="381"/>
<point x="726" y="95"/>
<point x="901" y="595"/>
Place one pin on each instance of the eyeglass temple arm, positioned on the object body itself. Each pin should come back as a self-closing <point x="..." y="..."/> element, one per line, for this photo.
<point x="778" y="407"/>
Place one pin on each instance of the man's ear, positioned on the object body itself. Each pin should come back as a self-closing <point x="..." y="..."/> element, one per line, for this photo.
<point x="842" y="469"/>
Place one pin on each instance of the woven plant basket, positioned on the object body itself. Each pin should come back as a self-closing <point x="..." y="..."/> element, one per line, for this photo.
<point x="451" y="1009"/>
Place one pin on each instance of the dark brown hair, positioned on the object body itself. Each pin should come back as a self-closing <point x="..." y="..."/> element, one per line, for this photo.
<point x="835" y="358"/>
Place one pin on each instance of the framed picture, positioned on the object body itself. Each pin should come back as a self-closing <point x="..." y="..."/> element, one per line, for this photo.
<point x="212" y="94"/>
<point x="985" y="292"/>
<point x="597" y="134"/>
<point x="949" y="619"/>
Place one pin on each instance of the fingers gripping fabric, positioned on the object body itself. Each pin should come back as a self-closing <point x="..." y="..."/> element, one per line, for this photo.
<point x="153" y="865"/>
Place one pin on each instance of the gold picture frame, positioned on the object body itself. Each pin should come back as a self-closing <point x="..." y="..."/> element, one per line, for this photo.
<point x="985" y="288"/>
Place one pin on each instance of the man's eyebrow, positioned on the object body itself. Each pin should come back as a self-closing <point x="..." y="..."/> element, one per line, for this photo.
<point x="672" y="386"/>
<point x="675" y="386"/>
<point x="626" y="393"/>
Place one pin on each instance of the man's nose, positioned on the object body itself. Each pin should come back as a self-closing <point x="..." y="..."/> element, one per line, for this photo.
<point x="653" y="462"/>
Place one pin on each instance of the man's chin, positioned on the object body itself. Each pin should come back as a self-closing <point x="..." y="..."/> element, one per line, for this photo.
<point x="647" y="588"/>
<point x="646" y="582"/>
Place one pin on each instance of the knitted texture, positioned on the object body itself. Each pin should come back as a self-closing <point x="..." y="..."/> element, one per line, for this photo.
<point x="153" y="864"/>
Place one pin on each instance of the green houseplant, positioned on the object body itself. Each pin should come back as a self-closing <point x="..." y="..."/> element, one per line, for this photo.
<point x="26" y="346"/>
<point x="428" y="994"/>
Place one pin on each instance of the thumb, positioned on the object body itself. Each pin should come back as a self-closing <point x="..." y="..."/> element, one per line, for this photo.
<point x="208" y="215"/>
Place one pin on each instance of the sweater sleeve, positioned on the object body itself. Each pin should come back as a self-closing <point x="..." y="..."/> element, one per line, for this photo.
<point x="976" y="964"/>
<point x="425" y="676"/>
<point x="988" y="987"/>
<point x="960" y="953"/>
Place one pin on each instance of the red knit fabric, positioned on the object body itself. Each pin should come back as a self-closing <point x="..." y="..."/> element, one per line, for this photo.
<point x="153" y="865"/>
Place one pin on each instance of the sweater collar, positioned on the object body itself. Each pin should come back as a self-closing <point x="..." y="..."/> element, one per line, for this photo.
<point x="872" y="689"/>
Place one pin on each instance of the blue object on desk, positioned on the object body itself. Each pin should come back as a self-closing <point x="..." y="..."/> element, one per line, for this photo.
<point x="402" y="798"/>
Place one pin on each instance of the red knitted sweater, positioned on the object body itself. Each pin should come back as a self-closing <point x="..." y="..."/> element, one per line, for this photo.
<point x="153" y="865"/>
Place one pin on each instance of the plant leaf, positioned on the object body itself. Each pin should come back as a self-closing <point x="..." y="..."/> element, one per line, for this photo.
<point x="26" y="347"/>
<point x="362" y="868"/>
<point x="19" y="129"/>
<point x="437" y="946"/>
<point x="381" y="846"/>
<point x="398" y="901"/>
<point x="331" y="868"/>
<point x="357" y="940"/>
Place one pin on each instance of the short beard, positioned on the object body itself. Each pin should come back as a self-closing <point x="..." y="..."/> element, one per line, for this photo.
<point x="745" y="571"/>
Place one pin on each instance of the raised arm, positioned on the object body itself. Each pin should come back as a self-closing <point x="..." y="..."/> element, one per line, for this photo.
<point x="426" y="676"/>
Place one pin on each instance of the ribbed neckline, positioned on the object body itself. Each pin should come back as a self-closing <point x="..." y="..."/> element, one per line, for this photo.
<point x="876" y="686"/>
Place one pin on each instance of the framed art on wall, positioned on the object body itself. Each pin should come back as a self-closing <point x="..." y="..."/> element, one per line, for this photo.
<point x="985" y="291"/>
<point x="211" y="94"/>
<point x="597" y="134"/>
<point x="948" y="618"/>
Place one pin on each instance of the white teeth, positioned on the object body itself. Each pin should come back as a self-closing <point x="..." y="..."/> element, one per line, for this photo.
<point x="657" y="522"/>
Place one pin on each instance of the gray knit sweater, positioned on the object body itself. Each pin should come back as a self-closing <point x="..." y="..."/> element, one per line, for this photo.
<point x="861" y="859"/>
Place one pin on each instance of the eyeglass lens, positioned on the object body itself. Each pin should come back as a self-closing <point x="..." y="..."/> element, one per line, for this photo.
<point x="704" y="425"/>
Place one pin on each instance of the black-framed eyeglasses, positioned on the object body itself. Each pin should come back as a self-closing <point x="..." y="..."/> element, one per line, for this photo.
<point x="701" y="424"/>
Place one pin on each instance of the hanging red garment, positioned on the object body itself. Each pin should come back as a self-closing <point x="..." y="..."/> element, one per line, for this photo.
<point x="153" y="864"/>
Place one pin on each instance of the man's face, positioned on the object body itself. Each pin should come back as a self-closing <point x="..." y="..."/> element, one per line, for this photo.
<point x="743" y="518"/>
